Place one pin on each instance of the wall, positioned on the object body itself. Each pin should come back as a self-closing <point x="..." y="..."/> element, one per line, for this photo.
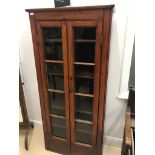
<point x="115" y="108"/>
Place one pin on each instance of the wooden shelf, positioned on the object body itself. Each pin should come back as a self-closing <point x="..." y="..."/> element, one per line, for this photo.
<point x="56" y="91"/>
<point x="58" y="126"/>
<point x="85" y="75"/>
<point x="83" y="121"/>
<point x="84" y="111"/>
<point x="84" y="63"/>
<point x="83" y="131"/>
<point x="53" y="40"/>
<point x="82" y="94"/>
<point x="56" y="74"/>
<point x="53" y="61"/>
<point x="58" y="105"/>
<point x="84" y="41"/>
<point x="57" y="116"/>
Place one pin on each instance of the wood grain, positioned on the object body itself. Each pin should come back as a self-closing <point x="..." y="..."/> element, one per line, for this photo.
<point x="67" y="18"/>
<point x="103" y="77"/>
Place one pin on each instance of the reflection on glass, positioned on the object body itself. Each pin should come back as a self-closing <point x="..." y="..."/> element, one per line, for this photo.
<point x="84" y="71"/>
<point x="53" y="43"/>
<point x="85" y="39"/>
<point x="83" y="133"/>
<point x="55" y="76"/>
<point x="85" y="33"/>
<point x="58" y="127"/>
<point x="53" y="51"/>
<point x="57" y="103"/>
<point x="83" y="108"/>
<point x="52" y="33"/>
<point x="84" y="85"/>
<point x="84" y="54"/>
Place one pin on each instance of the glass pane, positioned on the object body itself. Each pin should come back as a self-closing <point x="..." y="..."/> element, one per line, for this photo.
<point x="53" y="57"/>
<point x="84" y="52"/>
<point x="57" y="103"/>
<point x="53" y="51"/>
<point x="55" y="76"/>
<point x="84" y="65"/>
<point x="85" y="33"/>
<point x="84" y="85"/>
<point x="52" y="32"/>
<point x="58" y="127"/>
<point x="83" y="133"/>
<point x="53" y="43"/>
<point x="84" y="79"/>
<point x="84" y="71"/>
<point x="85" y="39"/>
<point x="84" y="108"/>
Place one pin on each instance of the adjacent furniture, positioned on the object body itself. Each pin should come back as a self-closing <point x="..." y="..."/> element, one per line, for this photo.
<point x="128" y="145"/>
<point x="25" y="124"/>
<point x="71" y="49"/>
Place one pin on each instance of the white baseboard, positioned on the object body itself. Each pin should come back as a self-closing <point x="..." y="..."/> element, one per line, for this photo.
<point x="36" y="122"/>
<point x="108" y="140"/>
<point x="112" y="141"/>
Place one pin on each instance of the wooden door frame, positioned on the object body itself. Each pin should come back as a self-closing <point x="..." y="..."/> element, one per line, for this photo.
<point x="54" y="139"/>
<point x="98" y="25"/>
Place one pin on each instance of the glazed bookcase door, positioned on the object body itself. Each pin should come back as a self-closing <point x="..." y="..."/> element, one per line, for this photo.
<point x="84" y="47"/>
<point x="54" y="73"/>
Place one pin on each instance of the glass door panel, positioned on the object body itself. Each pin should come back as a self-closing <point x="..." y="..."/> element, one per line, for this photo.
<point x="84" y="58"/>
<point x="53" y="43"/>
<point x="57" y="103"/>
<point x="84" y="44"/>
<point x="83" y="132"/>
<point x="84" y="108"/>
<point x="53" y="54"/>
<point x="58" y="126"/>
<point x="55" y="76"/>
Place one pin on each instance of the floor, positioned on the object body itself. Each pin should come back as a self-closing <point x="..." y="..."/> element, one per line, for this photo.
<point x="36" y="144"/>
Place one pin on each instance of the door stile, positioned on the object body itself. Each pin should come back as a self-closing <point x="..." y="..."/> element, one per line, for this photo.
<point x="71" y="79"/>
<point x="97" y="80"/>
<point x="43" y="74"/>
<point x="66" y="82"/>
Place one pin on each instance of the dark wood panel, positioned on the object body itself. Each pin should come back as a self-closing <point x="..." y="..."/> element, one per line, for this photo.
<point x="39" y="78"/>
<point x="71" y="79"/>
<point x="59" y="145"/>
<point x="103" y="78"/>
<point x="66" y="82"/>
<point x="67" y="15"/>
<point x="71" y="8"/>
<point x="82" y="149"/>
<point x="43" y="75"/>
<point x="96" y="80"/>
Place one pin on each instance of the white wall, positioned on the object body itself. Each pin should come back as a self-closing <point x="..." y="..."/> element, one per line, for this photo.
<point x="115" y="108"/>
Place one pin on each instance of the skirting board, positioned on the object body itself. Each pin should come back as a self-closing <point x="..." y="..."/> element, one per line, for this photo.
<point x="111" y="141"/>
<point x="36" y="122"/>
